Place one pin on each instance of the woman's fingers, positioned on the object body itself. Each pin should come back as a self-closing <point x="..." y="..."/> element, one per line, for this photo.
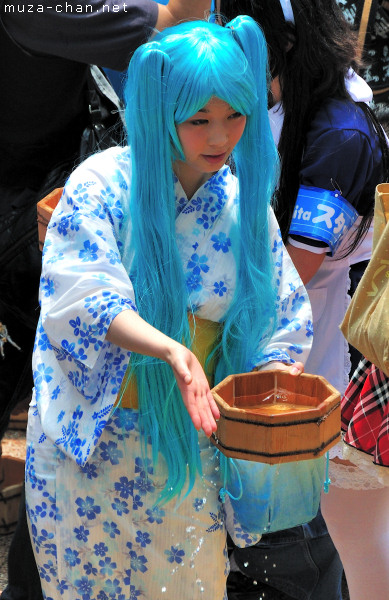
<point x="195" y="391"/>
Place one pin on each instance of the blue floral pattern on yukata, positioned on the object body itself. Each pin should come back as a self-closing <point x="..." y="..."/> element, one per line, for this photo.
<point x="91" y="497"/>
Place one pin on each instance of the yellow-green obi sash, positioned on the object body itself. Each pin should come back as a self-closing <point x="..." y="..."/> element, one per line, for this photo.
<point x="206" y="335"/>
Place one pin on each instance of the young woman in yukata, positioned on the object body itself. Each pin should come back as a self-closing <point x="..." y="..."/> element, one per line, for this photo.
<point x="162" y="274"/>
<point x="333" y="154"/>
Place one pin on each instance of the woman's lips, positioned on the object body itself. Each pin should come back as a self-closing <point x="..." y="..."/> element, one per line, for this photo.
<point x="214" y="158"/>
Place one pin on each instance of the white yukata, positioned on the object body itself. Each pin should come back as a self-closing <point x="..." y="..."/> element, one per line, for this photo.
<point x="91" y="499"/>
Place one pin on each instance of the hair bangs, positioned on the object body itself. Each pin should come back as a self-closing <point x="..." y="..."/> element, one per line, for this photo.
<point x="205" y="67"/>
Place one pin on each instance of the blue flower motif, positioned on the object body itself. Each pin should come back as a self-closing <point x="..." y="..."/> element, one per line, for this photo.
<point x="143" y="538"/>
<point x="120" y="506"/>
<point x="43" y="342"/>
<point x="143" y="466"/>
<point x="134" y="594"/>
<point x="110" y="452"/>
<point x="137" y="502"/>
<point x="219" y="288"/>
<point x="107" y="566"/>
<point x="75" y="220"/>
<point x="294" y="324"/>
<point x="144" y="485"/>
<point x="221" y="242"/>
<point x="71" y="557"/>
<point x="87" y="508"/>
<point x="90" y="470"/>
<point x="47" y="286"/>
<point x="113" y="257"/>
<point x="81" y="533"/>
<point x="124" y="486"/>
<point x="62" y="586"/>
<point x="198" y="504"/>
<point x="84" y="587"/>
<point x="42" y="373"/>
<point x="194" y="282"/>
<point x="198" y="263"/>
<point x="111" y="528"/>
<point x="138" y="562"/>
<point x="175" y="555"/>
<point x="155" y="515"/>
<point x="89" y="253"/>
<point x="100" y="549"/>
<point x="297" y="302"/>
<point x="112" y="587"/>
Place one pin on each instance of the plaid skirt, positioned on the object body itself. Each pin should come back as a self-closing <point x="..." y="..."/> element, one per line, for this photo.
<point x="365" y="412"/>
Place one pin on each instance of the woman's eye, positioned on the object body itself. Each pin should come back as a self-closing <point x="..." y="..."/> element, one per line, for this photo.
<point x="235" y="115"/>
<point x="198" y="121"/>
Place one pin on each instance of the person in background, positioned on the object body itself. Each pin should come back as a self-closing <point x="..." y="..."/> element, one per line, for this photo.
<point x="330" y="146"/>
<point x="159" y="266"/>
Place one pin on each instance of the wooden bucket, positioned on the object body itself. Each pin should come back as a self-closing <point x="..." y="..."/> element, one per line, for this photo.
<point x="273" y="417"/>
<point x="45" y="208"/>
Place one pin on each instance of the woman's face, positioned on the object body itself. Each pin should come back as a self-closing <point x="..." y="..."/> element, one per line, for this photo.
<point x="207" y="139"/>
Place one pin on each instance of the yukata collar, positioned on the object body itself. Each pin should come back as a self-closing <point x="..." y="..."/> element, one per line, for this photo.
<point x="181" y="198"/>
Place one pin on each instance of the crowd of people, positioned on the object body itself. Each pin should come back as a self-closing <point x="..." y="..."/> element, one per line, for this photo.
<point x="226" y="233"/>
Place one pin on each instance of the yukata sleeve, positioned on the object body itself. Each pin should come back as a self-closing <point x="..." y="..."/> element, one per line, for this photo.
<point x="292" y="337"/>
<point x="84" y="285"/>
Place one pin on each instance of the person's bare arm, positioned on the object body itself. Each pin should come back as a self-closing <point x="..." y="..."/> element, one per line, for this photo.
<point x="128" y="330"/>
<point x="181" y="10"/>
<point x="307" y="263"/>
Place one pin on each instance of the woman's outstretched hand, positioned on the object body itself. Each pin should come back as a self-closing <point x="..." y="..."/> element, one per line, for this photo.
<point x="194" y="388"/>
<point x="128" y="330"/>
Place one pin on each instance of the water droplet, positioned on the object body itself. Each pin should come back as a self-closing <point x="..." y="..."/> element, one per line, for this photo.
<point x="246" y="564"/>
<point x="264" y="571"/>
<point x="274" y="565"/>
<point x="255" y="582"/>
<point x="266" y="579"/>
<point x="201" y="589"/>
<point x="265" y="557"/>
<point x="163" y="590"/>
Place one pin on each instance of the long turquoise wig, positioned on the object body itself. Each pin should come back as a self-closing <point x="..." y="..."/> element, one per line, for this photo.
<point x="169" y="80"/>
